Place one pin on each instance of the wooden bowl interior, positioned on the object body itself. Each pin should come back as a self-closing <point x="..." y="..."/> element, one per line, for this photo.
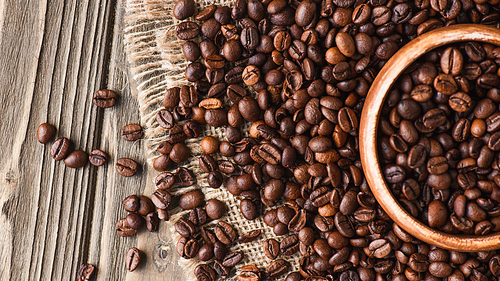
<point x="369" y="126"/>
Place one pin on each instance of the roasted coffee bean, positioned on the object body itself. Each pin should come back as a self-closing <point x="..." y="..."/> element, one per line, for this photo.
<point x="278" y="267"/>
<point x="104" y="98"/>
<point x="164" y="119"/>
<point x="131" y="203"/>
<point x="132" y="132"/>
<point x="206" y="252"/>
<point x="210" y="144"/>
<point x="207" y="163"/>
<point x="46" y="132"/>
<point x="180" y="153"/>
<point x="204" y="272"/>
<point x="85" y="272"/>
<point x="249" y="38"/>
<point x="126" y="167"/>
<point x="215" y="209"/>
<point x="187" y="248"/>
<point x="187" y="30"/>
<point x="249" y="273"/>
<point x="249" y="209"/>
<point x="185" y="176"/>
<point x="249" y="236"/>
<point x="165" y="180"/>
<point x="133" y="259"/>
<point x="215" y="179"/>
<point x="183" y="9"/>
<point x="271" y="248"/>
<point x="76" y="159"/>
<point x="191" y="200"/>
<point x="123" y="229"/>
<point x="60" y="148"/>
<point x="232" y="259"/>
<point x="161" y="198"/>
<point x="185" y="227"/>
<point x="225" y="232"/>
<point x="289" y="245"/>
<point x="97" y="157"/>
<point x="198" y="216"/>
<point x="152" y="222"/>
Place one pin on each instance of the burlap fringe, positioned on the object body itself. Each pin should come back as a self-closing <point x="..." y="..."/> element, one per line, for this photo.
<point x="156" y="64"/>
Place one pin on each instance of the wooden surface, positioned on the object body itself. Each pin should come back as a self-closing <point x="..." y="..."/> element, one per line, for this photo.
<point x="369" y="126"/>
<point x="54" y="55"/>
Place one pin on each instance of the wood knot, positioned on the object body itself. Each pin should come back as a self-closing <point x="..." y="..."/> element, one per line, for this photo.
<point x="162" y="256"/>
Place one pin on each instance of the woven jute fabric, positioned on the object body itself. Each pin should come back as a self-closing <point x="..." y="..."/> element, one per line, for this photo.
<point x="156" y="64"/>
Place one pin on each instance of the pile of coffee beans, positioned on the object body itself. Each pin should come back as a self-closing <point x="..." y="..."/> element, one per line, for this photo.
<point x="296" y="73"/>
<point x="440" y="143"/>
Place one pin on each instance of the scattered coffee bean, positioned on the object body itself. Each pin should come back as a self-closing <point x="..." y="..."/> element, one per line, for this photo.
<point x="105" y="98"/>
<point x="97" y="157"/>
<point x="132" y="259"/>
<point x="46" y="132"/>
<point x="76" y="159"/>
<point x="132" y="132"/>
<point x="86" y="272"/>
<point x="126" y="167"/>
<point x="60" y="148"/>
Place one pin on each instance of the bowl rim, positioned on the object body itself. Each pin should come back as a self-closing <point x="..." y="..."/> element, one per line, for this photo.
<point x="370" y="117"/>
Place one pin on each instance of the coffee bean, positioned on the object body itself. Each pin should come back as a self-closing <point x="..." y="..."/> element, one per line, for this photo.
<point x="225" y="232"/>
<point x="305" y="12"/>
<point x="132" y="132"/>
<point x="76" y="159"/>
<point x="86" y="272"/>
<point x="289" y="245"/>
<point x="232" y="259"/>
<point x="278" y="267"/>
<point x="180" y="153"/>
<point x="46" y="132"/>
<point x="203" y="272"/>
<point x="249" y="236"/>
<point x="191" y="200"/>
<point x="184" y="227"/>
<point x="152" y="222"/>
<point x="60" y="148"/>
<point x="249" y="209"/>
<point x="161" y="199"/>
<point x="271" y="248"/>
<point x="123" y="229"/>
<point x="126" y="167"/>
<point x="249" y="273"/>
<point x="215" y="209"/>
<point x="104" y="98"/>
<point x="187" y="30"/>
<point x="164" y="119"/>
<point x="162" y="163"/>
<point x="97" y="157"/>
<point x="146" y="206"/>
<point x="132" y="259"/>
<point x="187" y="248"/>
<point x="185" y="176"/>
<point x="183" y="9"/>
<point x="131" y="203"/>
<point x="215" y="179"/>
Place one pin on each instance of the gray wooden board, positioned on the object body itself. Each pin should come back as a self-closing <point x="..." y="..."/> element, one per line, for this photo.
<point x="53" y="56"/>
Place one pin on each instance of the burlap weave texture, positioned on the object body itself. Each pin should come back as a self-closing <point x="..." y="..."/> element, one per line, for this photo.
<point x="156" y="63"/>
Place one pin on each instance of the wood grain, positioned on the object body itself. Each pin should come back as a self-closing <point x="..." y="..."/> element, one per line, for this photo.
<point x="53" y="56"/>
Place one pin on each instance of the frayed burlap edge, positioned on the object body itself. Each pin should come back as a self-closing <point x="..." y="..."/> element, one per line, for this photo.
<point x="156" y="63"/>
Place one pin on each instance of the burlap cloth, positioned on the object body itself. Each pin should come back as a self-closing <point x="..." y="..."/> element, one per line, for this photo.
<point x="156" y="63"/>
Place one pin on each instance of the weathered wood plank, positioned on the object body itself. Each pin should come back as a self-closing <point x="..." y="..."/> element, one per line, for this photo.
<point x="53" y="56"/>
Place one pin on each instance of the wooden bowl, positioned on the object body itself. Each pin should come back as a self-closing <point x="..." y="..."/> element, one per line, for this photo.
<point x="369" y="127"/>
